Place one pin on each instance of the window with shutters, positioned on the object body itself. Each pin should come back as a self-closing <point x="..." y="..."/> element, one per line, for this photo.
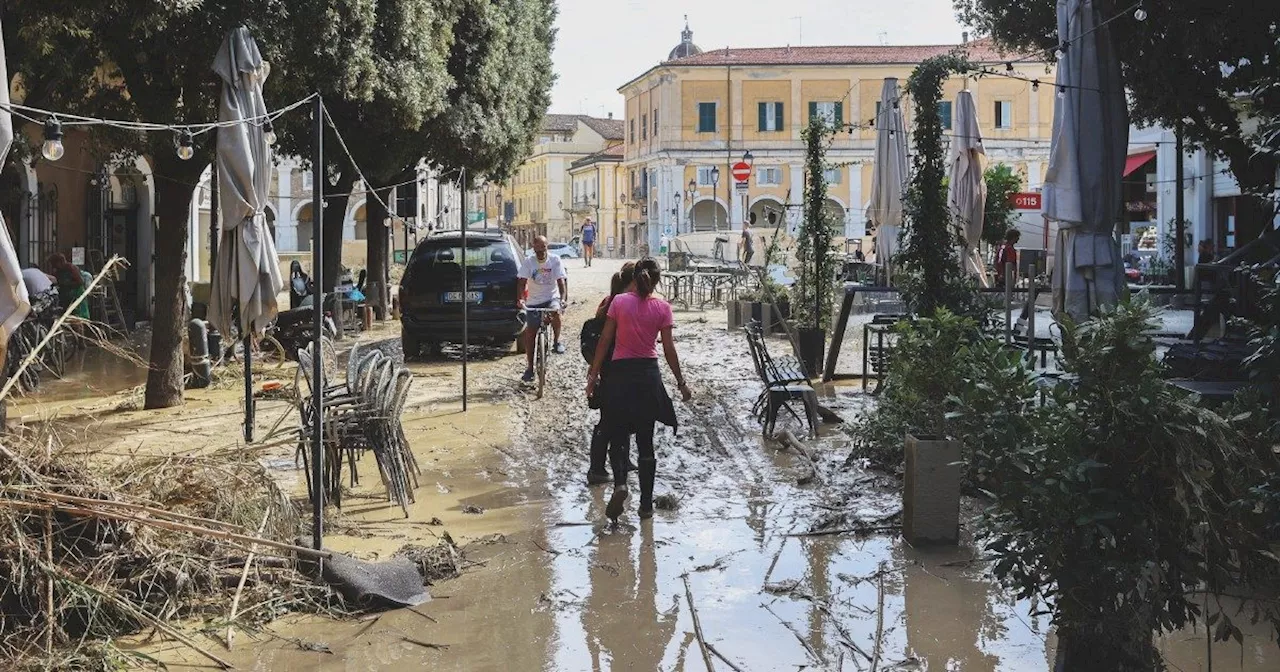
<point x="1004" y="114"/>
<point x="644" y="127"/>
<point x="831" y="175"/>
<point x="706" y="117"/>
<point x="705" y="178"/>
<point x="655" y="123"/>
<point x="770" y="117"/>
<point x="944" y="114"/>
<point x="632" y="132"/>
<point x="769" y="177"/>
<point x="832" y="112"/>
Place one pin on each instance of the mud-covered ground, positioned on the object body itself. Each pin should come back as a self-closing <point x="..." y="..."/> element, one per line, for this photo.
<point x="752" y="556"/>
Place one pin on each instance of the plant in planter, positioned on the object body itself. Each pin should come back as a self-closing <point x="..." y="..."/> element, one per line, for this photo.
<point x="815" y="250"/>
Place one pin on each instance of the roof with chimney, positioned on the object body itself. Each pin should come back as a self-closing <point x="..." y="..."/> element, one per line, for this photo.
<point x="609" y="129"/>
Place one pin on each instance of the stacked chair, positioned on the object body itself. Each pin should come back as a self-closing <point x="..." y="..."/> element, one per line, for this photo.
<point x="360" y="414"/>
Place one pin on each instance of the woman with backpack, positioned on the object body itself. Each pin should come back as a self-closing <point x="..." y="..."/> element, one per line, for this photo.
<point x="597" y="473"/>
<point x="635" y="399"/>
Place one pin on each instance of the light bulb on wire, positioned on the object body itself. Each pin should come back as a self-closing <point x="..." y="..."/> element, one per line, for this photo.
<point x="1035" y="86"/>
<point x="1062" y="92"/>
<point x="185" y="149"/>
<point x="52" y="149"/>
<point x="269" y="133"/>
<point x="1140" y="13"/>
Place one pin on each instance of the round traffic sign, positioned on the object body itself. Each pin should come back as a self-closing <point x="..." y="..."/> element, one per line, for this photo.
<point x="741" y="171"/>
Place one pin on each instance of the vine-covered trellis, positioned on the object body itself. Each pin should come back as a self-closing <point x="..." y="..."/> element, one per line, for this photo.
<point x="815" y="249"/>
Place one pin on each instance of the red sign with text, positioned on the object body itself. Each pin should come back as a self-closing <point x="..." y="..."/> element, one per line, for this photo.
<point x="741" y="171"/>
<point x="1025" y="201"/>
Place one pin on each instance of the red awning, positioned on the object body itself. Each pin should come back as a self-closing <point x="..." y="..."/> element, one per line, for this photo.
<point x="1136" y="161"/>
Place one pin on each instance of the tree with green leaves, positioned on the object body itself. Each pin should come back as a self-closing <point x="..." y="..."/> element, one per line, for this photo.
<point x="1187" y="63"/>
<point x="1000" y="215"/>
<point x="815" y="246"/>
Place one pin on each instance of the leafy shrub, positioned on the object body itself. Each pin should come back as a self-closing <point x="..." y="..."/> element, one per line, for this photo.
<point x="1121" y="503"/>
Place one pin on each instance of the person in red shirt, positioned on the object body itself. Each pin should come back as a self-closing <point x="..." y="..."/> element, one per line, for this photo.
<point x="1006" y="254"/>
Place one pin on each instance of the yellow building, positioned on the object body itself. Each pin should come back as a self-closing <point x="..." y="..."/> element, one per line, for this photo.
<point x="597" y="185"/>
<point x="692" y="117"/>
<point x="539" y="192"/>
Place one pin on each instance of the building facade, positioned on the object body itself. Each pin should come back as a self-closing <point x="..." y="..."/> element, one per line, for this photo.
<point x="692" y="117"/>
<point x="540" y="195"/>
<point x="596" y="185"/>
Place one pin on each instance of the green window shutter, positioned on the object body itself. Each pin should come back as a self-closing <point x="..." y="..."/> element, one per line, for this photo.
<point x="839" y="113"/>
<point x="764" y="116"/>
<point x="813" y="110"/>
<point x="777" y="113"/>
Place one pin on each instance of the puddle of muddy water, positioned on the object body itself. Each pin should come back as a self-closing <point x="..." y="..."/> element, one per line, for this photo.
<point x="552" y="587"/>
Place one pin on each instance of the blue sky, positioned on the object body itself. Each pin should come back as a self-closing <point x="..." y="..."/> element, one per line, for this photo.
<point x="604" y="43"/>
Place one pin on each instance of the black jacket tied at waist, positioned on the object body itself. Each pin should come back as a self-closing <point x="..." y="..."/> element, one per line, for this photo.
<point x="634" y="396"/>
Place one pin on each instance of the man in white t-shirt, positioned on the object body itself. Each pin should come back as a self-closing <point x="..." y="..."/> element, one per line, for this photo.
<point x="544" y="278"/>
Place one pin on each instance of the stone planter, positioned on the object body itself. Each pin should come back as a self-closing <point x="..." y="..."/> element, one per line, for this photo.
<point x="931" y="491"/>
<point x="812" y="345"/>
<point x="739" y="314"/>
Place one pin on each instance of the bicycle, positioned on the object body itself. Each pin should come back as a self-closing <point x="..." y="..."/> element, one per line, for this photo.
<point x="542" y="346"/>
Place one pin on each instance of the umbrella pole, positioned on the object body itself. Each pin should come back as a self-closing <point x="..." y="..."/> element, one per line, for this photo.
<point x="466" y="341"/>
<point x="317" y="329"/>
<point x="248" y="387"/>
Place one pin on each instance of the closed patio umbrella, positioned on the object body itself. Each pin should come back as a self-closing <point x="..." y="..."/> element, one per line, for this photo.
<point x="1082" y="190"/>
<point x="248" y="268"/>
<point x="889" y="176"/>
<point x="14" y="303"/>
<point x="966" y="188"/>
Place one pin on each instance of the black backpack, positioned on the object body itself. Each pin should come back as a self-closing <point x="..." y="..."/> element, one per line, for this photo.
<point x="589" y="339"/>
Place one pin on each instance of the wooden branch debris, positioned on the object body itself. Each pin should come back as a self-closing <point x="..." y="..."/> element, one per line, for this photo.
<point x="697" y="625"/>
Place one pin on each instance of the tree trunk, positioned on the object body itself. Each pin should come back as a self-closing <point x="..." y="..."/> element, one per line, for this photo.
<point x="335" y="218"/>
<point x="379" y="236"/>
<point x="1094" y="636"/>
<point x="168" y="329"/>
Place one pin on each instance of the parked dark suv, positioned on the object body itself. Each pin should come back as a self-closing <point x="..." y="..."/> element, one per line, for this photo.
<point x="431" y="291"/>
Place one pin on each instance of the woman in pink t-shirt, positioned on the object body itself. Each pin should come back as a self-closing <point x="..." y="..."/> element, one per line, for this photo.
<point x="635" y="399"/>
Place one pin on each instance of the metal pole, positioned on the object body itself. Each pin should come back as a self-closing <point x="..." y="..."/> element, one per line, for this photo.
<point x="1008" y="302"/>
<point x="215" y="231"/>
<point x="466" y="336"/>
<point x="1180" y="256"/>
<point x="317" y="326"/>
<point x="1031" y="322"/>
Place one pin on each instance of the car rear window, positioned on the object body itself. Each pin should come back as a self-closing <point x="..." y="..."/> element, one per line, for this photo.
<point x="481" y="255"/>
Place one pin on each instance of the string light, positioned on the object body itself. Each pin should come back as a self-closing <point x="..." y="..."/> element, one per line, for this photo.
<point x="1140" y="13"/>
<point x="1061" y="51"/>
<point x="1008" y="67"/>
<point x="1035" y="85"/>
<point x="269" y="133"/>
<point x="1062" y="92"/>
<point x="52" y="149"/>
<point x="185" y="149"/>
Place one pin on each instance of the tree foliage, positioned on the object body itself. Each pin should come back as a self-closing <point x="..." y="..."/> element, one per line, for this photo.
<point x="933" y="277"/>
<point x="1185" y="64"/>
<point x="815" y="248"/>
<point x="1000" y="215"/>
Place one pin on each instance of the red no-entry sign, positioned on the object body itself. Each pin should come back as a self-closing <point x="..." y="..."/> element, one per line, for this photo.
<point x="741" y="171"/>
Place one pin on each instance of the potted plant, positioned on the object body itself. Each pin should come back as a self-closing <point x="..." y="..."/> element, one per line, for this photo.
<point x="815" y="252"/>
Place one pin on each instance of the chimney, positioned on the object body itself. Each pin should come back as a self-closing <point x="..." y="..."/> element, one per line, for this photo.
<point x="964" y="37"/>
<point x="610" y="115"/>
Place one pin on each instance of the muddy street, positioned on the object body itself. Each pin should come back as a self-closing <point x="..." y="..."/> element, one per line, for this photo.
<point x="758" y="563"/>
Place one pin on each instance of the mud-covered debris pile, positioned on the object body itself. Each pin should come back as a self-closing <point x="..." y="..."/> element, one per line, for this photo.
<point x="437" y="563"/>
<point x="111" y="550"/>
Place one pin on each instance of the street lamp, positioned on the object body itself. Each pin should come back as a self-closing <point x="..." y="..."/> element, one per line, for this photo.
<point x="691" y="193"/>
<point x="715" y="195"/>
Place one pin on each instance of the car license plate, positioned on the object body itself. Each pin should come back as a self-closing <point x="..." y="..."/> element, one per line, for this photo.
<point x="456" y="297"/>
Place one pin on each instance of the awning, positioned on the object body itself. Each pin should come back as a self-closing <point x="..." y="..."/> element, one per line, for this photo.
<point x="1136" y="161"/>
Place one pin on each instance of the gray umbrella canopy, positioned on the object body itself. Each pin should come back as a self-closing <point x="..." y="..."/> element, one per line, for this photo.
<point x="14" y="303"/>
<point x="966" y="187"/>
<point x="248" y="268"/>
<point x="1082" y="190"/>
<point x="889" y="174"/>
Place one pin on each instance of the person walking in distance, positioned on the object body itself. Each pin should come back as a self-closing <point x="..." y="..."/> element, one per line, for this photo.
<point x="598" y="472"/>
<point x="635" y="399"/>
<point x="541" y="283"/>
<point x="588" y="241"/>
<point x="746" y="248"/>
